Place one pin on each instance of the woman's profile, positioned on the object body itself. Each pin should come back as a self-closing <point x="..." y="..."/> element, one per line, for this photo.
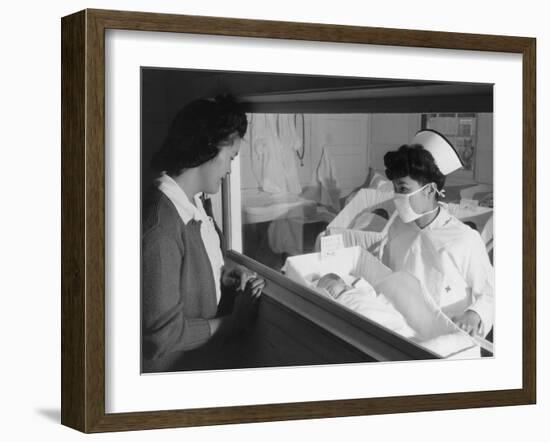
<point x="191" y="300"/>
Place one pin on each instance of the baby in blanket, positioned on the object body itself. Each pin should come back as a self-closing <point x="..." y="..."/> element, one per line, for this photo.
<point x="361" y="297"/>
<point x="332" y="284"/>
<point x="358" y="295"/>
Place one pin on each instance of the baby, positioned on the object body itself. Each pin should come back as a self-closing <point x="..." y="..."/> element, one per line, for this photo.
<point x="361" y="297"/>
<point x="333" y="284"/>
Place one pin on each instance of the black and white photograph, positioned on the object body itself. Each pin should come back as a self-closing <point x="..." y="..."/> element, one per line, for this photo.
<point x="268" y="221"/>
<point x="299" y="220"/>
<point x="274" y="221"/>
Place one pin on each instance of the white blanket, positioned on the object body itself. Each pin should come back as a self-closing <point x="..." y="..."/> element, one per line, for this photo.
<point x="396" y="301"/>
<point x="434" y="330"/>
<point x="364" y="300"/>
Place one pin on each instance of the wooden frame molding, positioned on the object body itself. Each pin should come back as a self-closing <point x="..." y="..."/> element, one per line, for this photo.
<point x="83" y="219"/>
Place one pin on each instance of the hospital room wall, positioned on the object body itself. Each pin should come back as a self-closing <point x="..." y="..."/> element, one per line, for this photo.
<point x="342" y="136"/>
<point x="482" y="172"/>
<point x="485" y="149"/>
<point x="355" y="142"/>
<point x="388" y="132"/>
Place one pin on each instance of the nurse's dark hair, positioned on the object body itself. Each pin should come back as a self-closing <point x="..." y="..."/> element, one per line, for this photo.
<point x="413" y="161"/>
<point x="196" y="132"/>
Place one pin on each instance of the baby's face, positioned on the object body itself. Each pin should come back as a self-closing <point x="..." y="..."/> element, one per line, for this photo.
<point x="333" y="284"/>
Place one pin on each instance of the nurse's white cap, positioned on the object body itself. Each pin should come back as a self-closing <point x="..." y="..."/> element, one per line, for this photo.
<point x="445" y="156"/>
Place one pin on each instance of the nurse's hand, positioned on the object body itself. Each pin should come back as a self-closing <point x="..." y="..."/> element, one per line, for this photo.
<point x="237" y="277"/>
<point x="470" y="322"/>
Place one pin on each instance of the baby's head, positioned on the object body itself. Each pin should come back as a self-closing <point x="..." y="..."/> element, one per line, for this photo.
<point x="332" y="284"/>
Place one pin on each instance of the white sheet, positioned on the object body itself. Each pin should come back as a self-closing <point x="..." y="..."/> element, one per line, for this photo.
<point x="377" y="308"/>
<point x="364" y="200"/>
<point x="433" y="328"/>
<point x="401" y="305"/>
<point x="259" y="206"/>
<point x="326" y="177"/>
<point x="357" y="222"/>
<point x="481" y="216"/>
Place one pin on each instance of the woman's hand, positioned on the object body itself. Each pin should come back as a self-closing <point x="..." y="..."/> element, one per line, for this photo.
<point x="244" y="310"/>
<point x="237" y="277"/>
<point x="256" y="286"/>
<point x="470" y="322"/>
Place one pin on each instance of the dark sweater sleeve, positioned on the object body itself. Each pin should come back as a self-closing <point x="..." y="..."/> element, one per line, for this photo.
<point x="165" y="326"/>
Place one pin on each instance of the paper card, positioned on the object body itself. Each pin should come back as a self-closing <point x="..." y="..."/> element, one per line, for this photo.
<point x="331" y="243"/>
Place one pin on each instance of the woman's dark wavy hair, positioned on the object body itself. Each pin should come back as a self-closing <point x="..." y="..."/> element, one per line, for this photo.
<point x="413" y="161"/>
<point x="196" y="132"/>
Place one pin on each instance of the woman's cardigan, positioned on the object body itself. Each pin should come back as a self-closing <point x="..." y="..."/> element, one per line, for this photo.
<point x="178" y="291"/>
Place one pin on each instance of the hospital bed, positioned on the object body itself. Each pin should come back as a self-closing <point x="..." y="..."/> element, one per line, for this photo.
<point x="278" y="225"/>
<point x="259" y="206"/>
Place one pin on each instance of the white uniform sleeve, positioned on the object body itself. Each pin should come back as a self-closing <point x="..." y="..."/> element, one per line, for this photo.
<point x="479" y="275"/>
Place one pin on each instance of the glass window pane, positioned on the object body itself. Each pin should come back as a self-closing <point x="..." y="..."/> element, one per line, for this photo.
<point x="298" y="171"/>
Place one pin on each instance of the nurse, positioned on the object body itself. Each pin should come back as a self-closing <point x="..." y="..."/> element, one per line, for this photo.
<point x="191" y="300"/>
<point x="445" y="255"/>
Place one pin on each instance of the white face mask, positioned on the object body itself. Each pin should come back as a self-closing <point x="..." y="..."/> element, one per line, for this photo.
<point x="403" y="206"/>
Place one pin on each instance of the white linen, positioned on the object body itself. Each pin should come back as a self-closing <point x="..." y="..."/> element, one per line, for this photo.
<point x="368" y="221"/>
<point x="370" y="241"/>
<point x="395" y="301"/>
<point x="259" y="206"/>
<point x="267" y="153"/>
<point x="291" y="144"/>
<point x="364" y="300"/>
<point x="286" y="236"/>
<point x="353" y="220"/>
<point x="354" y="261"/>
<point x="481" y="216"/>
<point x="274" y="160"/>
<point x="364" y="200"/>
<point x="327" y="179"/>
<point x="433" y="328"/>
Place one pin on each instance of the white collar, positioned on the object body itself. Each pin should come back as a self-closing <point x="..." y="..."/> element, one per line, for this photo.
<point x="175" y="193"/>
<point x="441" y="219"/>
